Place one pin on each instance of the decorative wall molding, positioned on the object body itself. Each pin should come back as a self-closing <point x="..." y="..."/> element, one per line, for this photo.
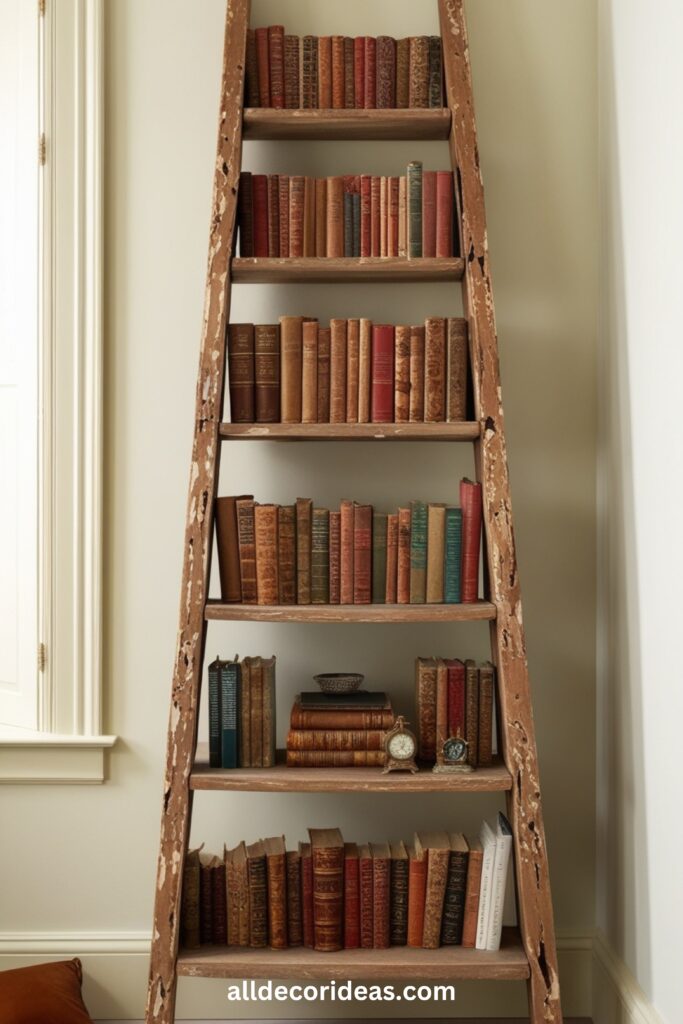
<point x="617" y="996"/>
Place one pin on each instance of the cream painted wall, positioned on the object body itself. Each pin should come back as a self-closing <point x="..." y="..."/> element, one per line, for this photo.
<point x="86" y="857"/>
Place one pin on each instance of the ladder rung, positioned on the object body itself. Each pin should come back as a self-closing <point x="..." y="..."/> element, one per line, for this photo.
<point x="343" y="269"/>
<point x="482" y="611"/>
<point x="267" y="123"/>
<point x="468" y="431"/>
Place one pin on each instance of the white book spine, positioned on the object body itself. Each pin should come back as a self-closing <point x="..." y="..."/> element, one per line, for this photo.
<point x="488" y="841"/>
<point x="498" y="882"/>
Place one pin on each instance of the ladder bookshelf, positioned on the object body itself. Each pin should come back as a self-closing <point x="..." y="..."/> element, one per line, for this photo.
<point x="527" y="952"/>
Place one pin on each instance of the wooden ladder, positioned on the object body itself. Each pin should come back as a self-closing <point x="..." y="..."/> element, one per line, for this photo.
<point x="529" y="953"/>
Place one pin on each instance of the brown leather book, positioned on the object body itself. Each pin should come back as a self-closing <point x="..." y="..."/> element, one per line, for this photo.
<point x="471" y="505"/>
<point x="375" y="216"/>
<point x="392" y="559"/>
<point x="251" y="66"/>
<point x="338" y="84"/>
<point x="386" y="72"/>
<point x="429" y="213"/>
<point x="402" y="216"/>
<point x="265" y="539"/>
<point x="241" y="372"/>
<point x="472" y="711"/>
<point x="276" y="61"/>
<point x="189" y="909"/>
<point x="485" y="740"/>
<point x="417" y="883"/>
<point x="352" y="369"/>
<point x="291" y="349"/>
<point x="273" y="215"/>
<point x="362" y="554"/>
<point x="309" y="73"/>
<point x="256" y="711"/>
<point x="304" y="511"/>
<point x="259" y="189"/>
<point x="392" y="227"/>
<point x="381" y="894"/>
<point x="309" y="386"/>
<point x="441" y="725"/>
<point x="346" y="565"/>
<point x="417" y="374"/>
<point x="335" y="739"/>
<point x="402" y="72"/>
<point x="245" y="213"/>
<point x="425" y="687"/>
<point x="205" y="900"/>
<point x="292" y="82"/>
<point x="338" y="348"/>
<point x="320" y="556"/>
<point x="321" y="216"/>
<point x="286" y="547"/>
<point x="309" y="217"/>
<point x="305" y="718"/>
<point x="247" y="551"/>
<point x="403" y="565"/>
<point x="295" y="933"/>
<point x="335" y="216"/>
<point x="444" y="213"/>
<point x="244" y="731"/>
<point x="258" y="899"/>
<point x="263" y="66"/>
<point x="398" y="917"/>
<point x="402" y="373"/>
<point x="324" y="342"/>
<point x="364" y="369"/>
<point x="472" y="890"/>
<point x="365" y="214"/>
<point x="436" y="536"/>
<point x="383" y="216"/>
<point x="351" y="897"/>
<point x="327" y="853"/>
<point x="335" y="758"/>
<point x="237" y="884"/>
<point x="283" y="210"/>
<point x="456" y="370"/>
<point x="297" y="185"/>
<point x="367" y="903"/>
<point x="418" y="85"/>
<point x="454" y="898"/>
<point x="370" y="82"/>
<point x="438" y="847"/>
<point x="435" y="370"/>
<point x="267" y="367"/>
<point x="307" y="893"/>
<point x="335" y="557"/>
<point x="359" y="72"/>
<point x="228" y="547"/>
<point x="349" y="85"/>
<point x="268" y="714"/>
<point x="276" y="875"/>
<point x="325" y="72"/>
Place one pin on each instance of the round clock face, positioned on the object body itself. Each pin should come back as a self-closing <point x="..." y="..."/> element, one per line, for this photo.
<point x="455" y="749"/>
<point x="402" y="746"/>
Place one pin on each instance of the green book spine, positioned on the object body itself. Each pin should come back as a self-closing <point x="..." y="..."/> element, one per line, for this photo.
<point x="451" y="575"/>
<point x="320" y="556"/>
<point x="215" y="714"/>
<point x="414" y="188"/>
<point x="229" y="689"/>
<point x="379" y="558"/>
<point x="418" y="552"/>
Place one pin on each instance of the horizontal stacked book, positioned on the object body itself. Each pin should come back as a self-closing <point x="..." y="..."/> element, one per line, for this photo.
<point x="338" y="730"/>
<point x="443" y="889"/>
<point x="352" y="371"/>
<point x="455" y="698"/>
<point x="297" y="554"/>
<point x="242" y="713"/>
<point x="411" y="215"/>
<point x="339" y="72"/>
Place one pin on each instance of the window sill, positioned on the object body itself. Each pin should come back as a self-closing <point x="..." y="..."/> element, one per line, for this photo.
<point x="42" y="758"/>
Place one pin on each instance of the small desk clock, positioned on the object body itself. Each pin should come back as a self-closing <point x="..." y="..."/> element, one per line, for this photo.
<point x="400" y="747"/>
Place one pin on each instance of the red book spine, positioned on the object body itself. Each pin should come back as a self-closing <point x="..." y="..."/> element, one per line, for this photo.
<point x="259" y="184"/>
<point x="417" y="885"/>
<point x="456" y="697"/>
<point x="307" y="897"/>
<point x="470" y="501"/>
<point x="335" y="557"/>
<point x="263" y="62"/>
<point x="429" y="213"/>
<point x="362" y="554"/>
<point x="273" y="215"/>
<point x="276" y="53"/>
<point x="351" y="902"/>
<point x="444" y="213"/>
<point x="283" y="209"/>
<point x="365" y="215"/>
<point x="359" y="71"/>
<point x="366" y="899"/>
<point x="375" y="216"/>
<point x="370" y="86"/>
<point x="390" y="595"/>
<point x="382" y="387"/>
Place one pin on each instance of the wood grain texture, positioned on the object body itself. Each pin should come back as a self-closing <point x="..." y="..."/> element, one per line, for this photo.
<point x="350" y="431"/>
<point x="346" y="124"/>
<point x="480" y="612"/>
<point x="343" y="270"/>
<point x="524" y="802"/>
<point x="182" y="727"/>
<point x="397" y="962"/>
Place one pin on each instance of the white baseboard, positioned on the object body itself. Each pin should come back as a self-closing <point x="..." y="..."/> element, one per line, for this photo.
<point x="617" y="996"/>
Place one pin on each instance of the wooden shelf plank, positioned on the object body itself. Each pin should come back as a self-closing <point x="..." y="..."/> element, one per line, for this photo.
<point x="266" y="123"/>
<point x="350" y="431"/>
<point x="281" y="779"/>
<point x="480" y="612"/>
<point x="509" y="963"/>
<point x="343" y="269"/>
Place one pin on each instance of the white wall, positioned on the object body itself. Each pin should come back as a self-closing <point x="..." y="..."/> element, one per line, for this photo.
<point x="640" y="701"/>
<point x="90" y="853"/>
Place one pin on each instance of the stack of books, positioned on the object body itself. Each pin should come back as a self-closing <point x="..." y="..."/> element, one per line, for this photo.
<point x="338" y="730"/>
<point x="335" y="72"/>
<point x="242" y="713"/>
<point x="443" y="889"/>
<point x="455" y="698"/>
<point x="410" y="215"/>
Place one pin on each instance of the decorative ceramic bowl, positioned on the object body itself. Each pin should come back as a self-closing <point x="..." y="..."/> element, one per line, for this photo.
<point x="339" y="682"/>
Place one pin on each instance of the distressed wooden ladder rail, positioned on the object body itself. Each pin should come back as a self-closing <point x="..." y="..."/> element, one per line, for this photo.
<point x="529" y="952"/>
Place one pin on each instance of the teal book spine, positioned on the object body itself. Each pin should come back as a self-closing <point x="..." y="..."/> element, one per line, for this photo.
<point x="414" y="190"/>
<point x="229" y="706"/>
<point x="418" y="552"/>
<point x="215" y="714"/>
<point x="379" y="558"/>
<point x="453" y="553"/>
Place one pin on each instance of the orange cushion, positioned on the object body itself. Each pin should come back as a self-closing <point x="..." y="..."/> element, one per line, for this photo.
<point x="44" y="994"/>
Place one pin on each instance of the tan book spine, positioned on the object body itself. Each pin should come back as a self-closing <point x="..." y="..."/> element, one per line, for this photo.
<point x="486" y="687"/>
<point x="456" y="370"/>
<point x="268" y="668"/>
<point x="297" y="186"/>
<point x="402" y="217"/>
<point x="402" y="72"/>
<point x="325" y="72"/>
<point x="338" y="73"/>
<point x="309" y="217"/>
<point x="418" y="86"/>
<point x="286" y="540"/>
<point x="295" y="934"/>
<point x="309" y="386"/>
<point x="402" y="373"/>
<point x="323" y="375"/>
<point x="441" y="726"/>
<point x="472" y="711"/>
<point x="303" y="719"/>
<point x="436" y="527"/>
<point x="417" y="374"/>
<point x="375" y="216"/>
<point x="335" y="739"/>
<point x="392" y="559"/>
<point x="247" y="551"/>
<point x="256" y="716"/>
<point x="291" y="354"/>
<point x="304" y="516"/>
<point x="335" y="559"/>
<point x="265" y="533"/>
<point x="321" y="216"/>
<point x="437" y="873"/>
<point x="435" y="370"/>
<point x="337" y="371"/>
<point x="335" y="758"/>
<point x="364" y="370"/>
<point x="392" y="229"/>
<point x="346" y="558"/>
<point x="335" y="216"/>
<point x="472" y="891"/>
<point x="403" y="558"/>
<point x="383" y="216"/>
<point x="276" y="875"/>
<point x="425" y="685"/>
<point x="352" y="369"/>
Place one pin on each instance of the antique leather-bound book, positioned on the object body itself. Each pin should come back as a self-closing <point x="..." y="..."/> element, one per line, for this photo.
<point x="453" y="555"/>
<point x="276" y="876"/>
<point x="436" y="528"/>
<point x="283" y="211"/>
<point x="456" y="697"/>
<point x="247" y="550"/>
<point x="381" y="894"/>
<point x="263" y="66"/>
<point x="335" y="739"/>
<point x="364" y="369"/>
<point x="402" y="216"/>
<point x="335" y="557"/>
<point x="456" y="370"/>
<point x="355" y="216"/>
<point x="304" y="510"/>
<point x="392" y="227"/>
<point x="292" y="81"/>
<point x="392" y="559"/>
<point x="362" y="554"/>
<point x="438" y="847"/>
<point x="414" y="201"/>
<point x="306" y="893"/>
<point x="229" y="676"/>
<point x="375" y="216"/>
<point x="338" y="345"/>
<point x="205" y="900"/>
<point x="441" y="725"/>
<point x="291" y="348"/>
<point x="386" y="72"/>
<point x="321" y="217"/>
<point x="335" y="216"/>
<point x="353" y="718"/>
<point x="228" y="547"/>
<point x="435" y="369"/>
<point x="309" y="73"/>
<point x="256" y="712"/>
<point x="382" y="386"/>
<point x="485" y="738"/>
<point x="259" y="189"/>
<point x="320" y="556"/>
<point x="219" y="909"/>
<point x="365" y="214"/>
<point x="335" y="758"/>
<point x="338" y="83"/>
<point x="244" y="732"/>
<point x="267" y="372"/>
<point x="402" y="72"/>
<point x="418" y="552"/>
<point x="265" y="539"/>
<point x="252" y="98"/>
<point x="472" y="711"/>
<point x="309" y="217"/>
<point x="297" y="189"/>
<point x="398" y="917"/>
<point x="454" y="898"/>
<point x="241" y="372"/>
<point x="403" y="563"/>
<point x="471" y="504"/>
<point x="402" y="373"/>
<point x="429" y="213"/>
<point x="346" y="562"/>
<point x="370" y="67"/>
<point x="295" y="934"/>
<point x="351" y="897"/>
<point x="417" y="881"/>
<point x="417" y="374"/>
<point x="383" y="215"/>
<point x="237" y="881"/>
<point x="425" y="687"/>
<point x="258" y="900"/>
<point x="435" y="72"/>
<point x="418" y="85"/>
<point x="367" y="902"/>
<point x="189" y="909"/>
<point x="268" y="714"/>
<point x="348" y="215"/>
<point x="444" y="213"/>
<point x="325" y="72"/>
<point x="379" y="557"/>
<point x="309" y="385"/>
<point x="276" y="57"/>
<point x="327" y="853"/>
<point x="245" y="214"/>
<point x="349" y="83"/>
<point x="359" y="72"/>
<point x="286" y="540"/>
<point x="352" y="360"/>
<point x="324" y="341"/>
<point x="472" y="889"/>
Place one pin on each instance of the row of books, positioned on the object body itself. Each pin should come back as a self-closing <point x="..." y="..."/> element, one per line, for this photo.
<point x="338" y="730"/>
<point x="442" y="890"/>
<point x="353" y="371"/>
<point x="297" y="554"/>
<point x="454" y="698"/>
<point x="410" y="215"/>
<point x="242" y="713"/>
<point x="335" y="72"/>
